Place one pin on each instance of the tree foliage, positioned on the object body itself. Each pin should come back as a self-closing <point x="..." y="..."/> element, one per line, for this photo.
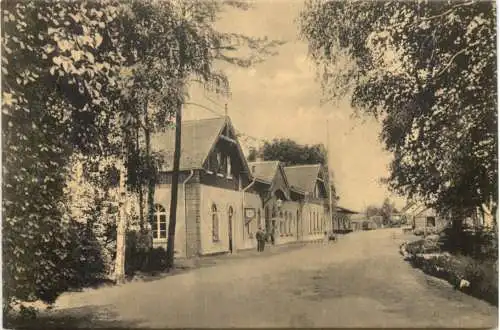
<point x="427" y="70"/>
<point x="290" y="152"/>
<point x="53" y="73"/>
<point x="82" y="79"/>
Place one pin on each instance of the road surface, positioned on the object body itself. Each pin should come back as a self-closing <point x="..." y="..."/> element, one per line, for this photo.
<point x="358" y="281"/>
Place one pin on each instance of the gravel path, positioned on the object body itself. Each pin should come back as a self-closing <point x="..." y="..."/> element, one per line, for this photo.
<point x="359" y="281"/>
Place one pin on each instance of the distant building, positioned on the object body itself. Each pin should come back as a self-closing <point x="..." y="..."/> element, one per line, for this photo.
<point x="342" y="219"/>
<point x="420" y="216"/>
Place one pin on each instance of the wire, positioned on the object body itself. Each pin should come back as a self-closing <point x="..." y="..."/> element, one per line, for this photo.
<point x="206" y="108"/>
<point x="214" y="102"/>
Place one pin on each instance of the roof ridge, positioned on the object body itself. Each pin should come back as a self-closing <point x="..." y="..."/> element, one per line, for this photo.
<point x="303" y="165"/>
<point x="264" y="161"/>
<point x="203" y="119"/>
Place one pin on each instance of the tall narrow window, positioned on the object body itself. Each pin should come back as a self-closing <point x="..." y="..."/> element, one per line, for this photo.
<point x="297" y="219"/>
<point x="314" y="221"/>
<point x="259" y="220"/>
<point x="221" y="164"/>
<point x="229" y="172"/>
<point x="215" y="224"/>
<point x="213" y="162"/>
<point x="287" y="223"/>
<point x="159" y="224"/>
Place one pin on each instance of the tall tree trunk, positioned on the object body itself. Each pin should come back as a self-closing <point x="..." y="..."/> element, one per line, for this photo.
<point x="175" y="184"/>
<point x="138" y="181"/>
<point x="150" y="167"/>
<point x="121" y="229"/>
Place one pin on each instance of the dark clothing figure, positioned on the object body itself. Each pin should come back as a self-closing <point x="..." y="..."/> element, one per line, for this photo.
<point x="261" y="240"/>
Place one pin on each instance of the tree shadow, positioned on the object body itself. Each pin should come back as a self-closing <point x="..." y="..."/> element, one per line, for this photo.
<point x="86" y="317"/>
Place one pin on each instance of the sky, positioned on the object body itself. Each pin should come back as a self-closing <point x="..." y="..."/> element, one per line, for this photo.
<point x="280" y="98"/>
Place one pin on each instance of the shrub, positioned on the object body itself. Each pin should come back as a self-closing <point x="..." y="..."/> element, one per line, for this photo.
<point x="481" y="244"/>
<point x="422" y="246"/>
<point x="482" y="276"/>
<point x="484" y="280"/>
<point x="139" y="255"/>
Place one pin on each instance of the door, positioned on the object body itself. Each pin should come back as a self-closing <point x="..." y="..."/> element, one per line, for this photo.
<point x="230" y="227"/>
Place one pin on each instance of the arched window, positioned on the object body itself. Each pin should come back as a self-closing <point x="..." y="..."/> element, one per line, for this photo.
<point x="215" y="223"/>
<point x="314" y="221"/>
<point x="287" y="224"/>
<point x="159" y="225"/>
<point x="297" y="219"/>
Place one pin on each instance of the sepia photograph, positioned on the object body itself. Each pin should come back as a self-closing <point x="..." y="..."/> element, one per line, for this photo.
<point x="249" y="164"/>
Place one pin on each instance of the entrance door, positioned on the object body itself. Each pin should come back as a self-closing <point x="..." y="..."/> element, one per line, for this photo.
<point x="230" y="228"/>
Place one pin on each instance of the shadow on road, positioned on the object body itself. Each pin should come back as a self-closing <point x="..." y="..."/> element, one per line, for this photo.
<point x="74" y="318"/>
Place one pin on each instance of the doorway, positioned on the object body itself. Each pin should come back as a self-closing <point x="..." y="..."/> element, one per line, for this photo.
<point x="230" y="228"/>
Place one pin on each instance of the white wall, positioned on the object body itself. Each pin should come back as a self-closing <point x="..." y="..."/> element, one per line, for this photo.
<point x="245" y="241"/>
<point x="223" y="199"/>
<point x="291" y="207"/>
<point x="308" y="221"/>
<point x="162" y="196"/>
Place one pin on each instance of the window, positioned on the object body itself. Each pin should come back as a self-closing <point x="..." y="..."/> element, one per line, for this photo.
<point x="259" y="220"/>
<point x="212" y="163"/>
<point x="159" y="225"/>
<point x="431" y="222"/>
<point x="316" y="193"/>
<point x="247" y="222"/>
<point x="229" y="172"/>
<point x="314" y="221"/>
<point x="215" y="224"/>
<point x="287" y="222"/>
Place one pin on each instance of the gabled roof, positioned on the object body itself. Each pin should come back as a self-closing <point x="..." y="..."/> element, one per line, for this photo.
<point x="264" y="170"/>
<point x="340" y="209"/>
<point x="303" y="177"/>
<point x="198" y="138"/>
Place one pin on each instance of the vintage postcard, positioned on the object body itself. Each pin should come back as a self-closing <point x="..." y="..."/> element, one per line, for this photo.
<point x="249" y="164"/>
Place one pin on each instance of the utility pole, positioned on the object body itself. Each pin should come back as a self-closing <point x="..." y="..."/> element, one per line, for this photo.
<point x="177" y="154"/>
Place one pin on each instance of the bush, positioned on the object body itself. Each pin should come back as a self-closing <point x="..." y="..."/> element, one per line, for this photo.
<point x="480" y="244"/>
<point x="484" y="280"/>
<point x="88" y="265"/>
<point x="140" y="256"/>
<point x="482" y="276"/>
<point x="422" y="246"/>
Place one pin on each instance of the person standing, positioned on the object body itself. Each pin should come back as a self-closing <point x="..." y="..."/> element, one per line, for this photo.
<point x="263" y="240"/>
<point x="259" y="236"/>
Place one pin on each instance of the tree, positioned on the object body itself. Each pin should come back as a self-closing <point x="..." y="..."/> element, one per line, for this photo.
<point x="55" y="60"/>
<point x="252" y="154"/>
<point x="78" y="80"/>
<point x="372" y="210"/>
<point x="427" y="70"/>
<point x="387" y="210"/>
<point x="290" y="152"/>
